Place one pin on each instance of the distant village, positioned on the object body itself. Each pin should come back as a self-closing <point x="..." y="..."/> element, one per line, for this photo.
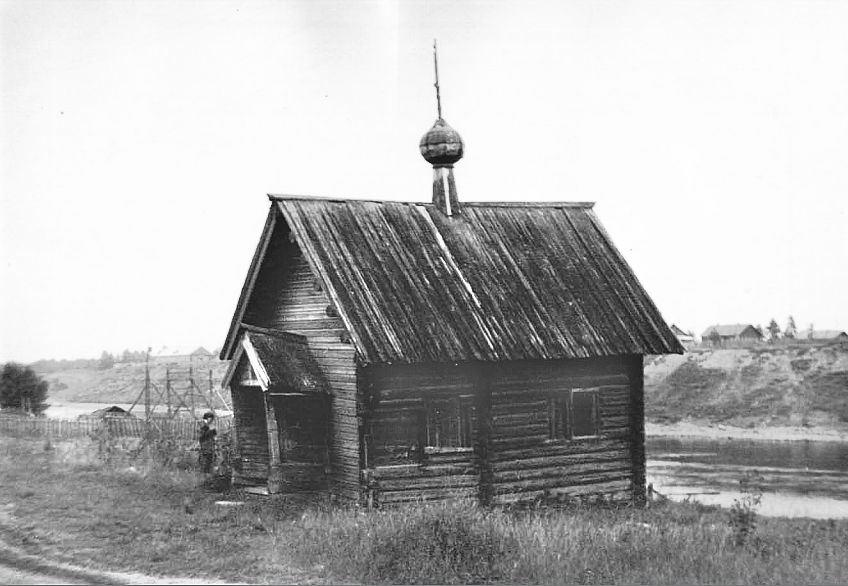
<point x="746" y="334"/>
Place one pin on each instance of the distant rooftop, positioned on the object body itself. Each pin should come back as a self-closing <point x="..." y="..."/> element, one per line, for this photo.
<point x="172" y="351"/>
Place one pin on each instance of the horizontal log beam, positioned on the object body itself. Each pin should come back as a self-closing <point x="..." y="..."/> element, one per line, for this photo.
<point x="557" y="448"/>
<point x="417" y="471"/>
<point x="412" y="496"/>
<point x="571" y="474"/>
<point x="562" y="460"/>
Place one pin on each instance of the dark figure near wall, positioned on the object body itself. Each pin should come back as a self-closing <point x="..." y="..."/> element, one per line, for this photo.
<point x="207" y="442"/>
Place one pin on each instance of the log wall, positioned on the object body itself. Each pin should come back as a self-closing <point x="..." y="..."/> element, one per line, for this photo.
<point x="514" y="457"/>
<point x="287" y="296"/>
<point x="527" y="464"/>
<point x="400" y="469"/>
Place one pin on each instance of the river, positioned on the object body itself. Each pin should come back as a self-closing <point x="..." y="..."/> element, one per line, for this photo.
<point x="798" y="478"/>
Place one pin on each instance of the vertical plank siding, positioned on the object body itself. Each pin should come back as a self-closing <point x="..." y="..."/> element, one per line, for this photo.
<point x="637" y="429"/>
<point x="252" y="457"/>
<point x="302" y="424"/>
<point x="288" y="297"/>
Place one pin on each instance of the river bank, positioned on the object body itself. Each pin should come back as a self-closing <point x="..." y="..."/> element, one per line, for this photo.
<point x="718" y="431"/>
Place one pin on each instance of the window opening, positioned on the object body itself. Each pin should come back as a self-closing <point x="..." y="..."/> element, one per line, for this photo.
<point x="449" y="423"/>
<point x="573" y="414"/>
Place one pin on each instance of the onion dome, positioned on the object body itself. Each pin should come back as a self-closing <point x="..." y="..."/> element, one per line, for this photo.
<point x="442" y="145"/>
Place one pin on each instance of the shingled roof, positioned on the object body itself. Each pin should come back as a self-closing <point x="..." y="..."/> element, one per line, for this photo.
<point x="500" y="281"/>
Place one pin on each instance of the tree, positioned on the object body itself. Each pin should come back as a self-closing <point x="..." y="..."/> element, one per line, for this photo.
<point x="106" y="361"/>
<point x="714" y="338"/>
<point x="791" y="331"/>
<point x="773" y="330"/>
<point x="21" y="388"/>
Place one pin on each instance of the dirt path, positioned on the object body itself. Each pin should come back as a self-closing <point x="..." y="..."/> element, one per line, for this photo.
<point x="12" y="575"/>
<point x="19" y="567"/>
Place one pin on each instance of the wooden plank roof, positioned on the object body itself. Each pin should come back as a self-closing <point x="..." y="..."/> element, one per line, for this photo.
<point x="500" y="281"/>
<point x="281" y="360"/>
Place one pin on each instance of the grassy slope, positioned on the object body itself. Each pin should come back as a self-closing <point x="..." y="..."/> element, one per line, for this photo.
<point x="123" y="382"/>
<point x="746" y="387"/>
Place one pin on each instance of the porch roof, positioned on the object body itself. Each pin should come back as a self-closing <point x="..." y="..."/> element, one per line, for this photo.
<point x="282" y="362"/>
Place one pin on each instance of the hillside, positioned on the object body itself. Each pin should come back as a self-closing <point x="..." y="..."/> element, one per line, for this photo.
<point x="774" y="386"/>
<point x="124" y="382"/>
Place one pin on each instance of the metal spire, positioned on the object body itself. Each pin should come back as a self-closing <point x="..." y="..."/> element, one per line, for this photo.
<point x="436" y="62"/>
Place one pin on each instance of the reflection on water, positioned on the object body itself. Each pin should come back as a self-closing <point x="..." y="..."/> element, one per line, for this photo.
<point x="799" y="479"/>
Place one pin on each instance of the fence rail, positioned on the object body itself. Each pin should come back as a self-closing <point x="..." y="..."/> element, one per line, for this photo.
<point x="184" y="429"/>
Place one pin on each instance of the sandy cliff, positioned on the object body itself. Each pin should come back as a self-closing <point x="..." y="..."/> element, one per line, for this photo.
<point x="768" y="385"/>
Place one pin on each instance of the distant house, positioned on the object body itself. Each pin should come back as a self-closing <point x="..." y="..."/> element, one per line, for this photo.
<point x="182" y="354"/>
<point x="113" y="412"/>
<point x="685" y="339"/>
<point x="824" y="335"/>
<point x="731" y="335"/>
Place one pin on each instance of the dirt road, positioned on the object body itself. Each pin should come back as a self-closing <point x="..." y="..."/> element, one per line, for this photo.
<point x="12" y="575"/>
<point x="17" y="567"/>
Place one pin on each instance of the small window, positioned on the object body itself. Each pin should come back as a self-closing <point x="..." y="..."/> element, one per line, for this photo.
<point x="584" y="419"/>
<point x="393" y="436"/>
<point x="449" y="423"/>
<point x="573" y="414"/>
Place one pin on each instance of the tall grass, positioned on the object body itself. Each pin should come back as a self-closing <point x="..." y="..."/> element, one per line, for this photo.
<point x="458" y="544"/>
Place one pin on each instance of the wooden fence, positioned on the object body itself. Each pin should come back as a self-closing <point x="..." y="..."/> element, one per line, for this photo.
<point x="183" y="429"/>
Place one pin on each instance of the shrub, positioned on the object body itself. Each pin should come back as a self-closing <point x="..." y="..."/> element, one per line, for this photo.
<point x="743" y="513"/>
<point x="448" y="544"/>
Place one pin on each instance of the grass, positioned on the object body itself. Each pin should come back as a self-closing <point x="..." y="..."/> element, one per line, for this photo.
<point x="162" y="521"/>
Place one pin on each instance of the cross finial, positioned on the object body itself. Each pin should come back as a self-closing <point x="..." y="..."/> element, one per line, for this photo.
<point x="436" y="62"/>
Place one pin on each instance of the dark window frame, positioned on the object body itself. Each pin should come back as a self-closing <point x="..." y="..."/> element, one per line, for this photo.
<point x="448" y="424"/>
<point x="561" y="413"/>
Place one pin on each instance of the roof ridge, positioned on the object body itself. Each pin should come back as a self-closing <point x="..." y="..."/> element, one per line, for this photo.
<point x="500" y="204"/>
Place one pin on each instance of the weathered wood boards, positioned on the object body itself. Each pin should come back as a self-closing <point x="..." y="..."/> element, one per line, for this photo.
<point x="499" y="427"/>
<point x="512" y="454"/>
<point x="288" y="297"/>
<point x="252" y="458"/>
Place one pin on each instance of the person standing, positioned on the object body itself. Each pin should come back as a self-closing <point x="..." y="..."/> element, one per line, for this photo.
<point x="207" y="442"/>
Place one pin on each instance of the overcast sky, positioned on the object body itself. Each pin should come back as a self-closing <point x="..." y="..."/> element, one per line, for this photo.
<point x="138" y="141"/>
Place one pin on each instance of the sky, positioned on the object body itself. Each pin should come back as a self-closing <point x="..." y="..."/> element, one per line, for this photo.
<point x="139" y="140"/>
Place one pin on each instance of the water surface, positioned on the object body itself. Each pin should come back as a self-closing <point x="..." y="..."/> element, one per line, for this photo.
<point x="798" y="478"/>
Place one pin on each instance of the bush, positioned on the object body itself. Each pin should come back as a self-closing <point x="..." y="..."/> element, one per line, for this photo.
<point x="446" y="544"/>
<point x="743" y="513"/>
